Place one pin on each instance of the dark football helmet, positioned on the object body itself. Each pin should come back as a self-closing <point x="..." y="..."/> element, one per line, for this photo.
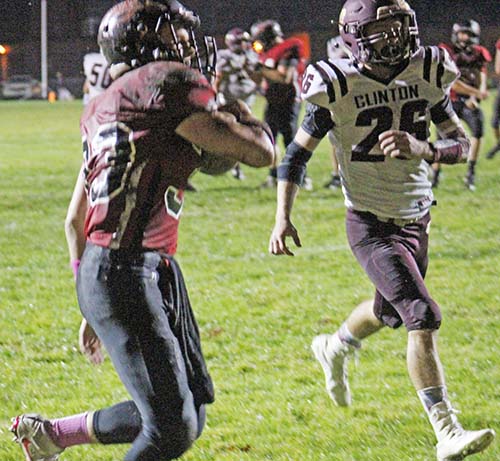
<point x="235" y="39"/>
<point x="133" y="33"/>
<point x="266" y="32"/>
<point x="390" y="47"/>
<point x="471" y="28"/>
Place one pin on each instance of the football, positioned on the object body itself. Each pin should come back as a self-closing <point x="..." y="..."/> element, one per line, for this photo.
<point x="215" y="165"/>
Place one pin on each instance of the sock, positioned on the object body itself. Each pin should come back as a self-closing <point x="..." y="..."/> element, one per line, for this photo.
<point x="273" y="172"/>
<point x="347" y="337"/>
<point x="430" y="396"/>
<point x="472" y="166"/>
<point x="70" y="431"/>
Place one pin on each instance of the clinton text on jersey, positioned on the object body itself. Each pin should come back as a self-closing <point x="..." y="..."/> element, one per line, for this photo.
<point x="400" y="93"/>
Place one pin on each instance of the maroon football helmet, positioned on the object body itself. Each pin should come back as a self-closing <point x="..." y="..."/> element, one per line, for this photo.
<point x="131" y="33"/>
<point x="393" y="45"/>
<point x="235" y="39"/>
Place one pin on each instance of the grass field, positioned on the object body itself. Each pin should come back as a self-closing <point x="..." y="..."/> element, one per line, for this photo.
<point x="257" y="313"/>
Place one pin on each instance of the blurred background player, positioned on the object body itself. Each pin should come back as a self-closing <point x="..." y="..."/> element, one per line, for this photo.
<point x="471" y="88"/>
<point x="496" y="108"/>
<point x="96" y="72"/>
<point x="143" y="137"/>
<point x="282" y="62"/>
<point x="335" y="49"/>
<point x="236" y="77"/>
<point x="63" y="94"/>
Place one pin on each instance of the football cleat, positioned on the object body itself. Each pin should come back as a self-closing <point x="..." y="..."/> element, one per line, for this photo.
<point x="31" y="432"/>
<point x="333" y="355"/>
<point x="491" y="154"/>
<point x="334" y="183"/>
<point x="238" y="173"/>
<point x="469" y="182"/>
<point x="454" y="442"/>
<point x="269" y="183"/>
<point x="307" y="184"/>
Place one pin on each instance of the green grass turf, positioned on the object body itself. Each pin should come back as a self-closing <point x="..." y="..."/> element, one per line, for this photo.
<point x="257" y="313"/>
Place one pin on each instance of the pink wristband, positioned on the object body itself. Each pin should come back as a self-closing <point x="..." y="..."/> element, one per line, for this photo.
<point x="75" y="264"/>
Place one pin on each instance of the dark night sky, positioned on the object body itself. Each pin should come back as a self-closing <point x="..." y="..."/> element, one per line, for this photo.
<point x="19" y="18"/>
<point x="69" y="37"/>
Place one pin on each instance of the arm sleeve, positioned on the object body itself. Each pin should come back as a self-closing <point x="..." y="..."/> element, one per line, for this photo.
<point x="317" y="123"/>
<point x="293" y="166"/>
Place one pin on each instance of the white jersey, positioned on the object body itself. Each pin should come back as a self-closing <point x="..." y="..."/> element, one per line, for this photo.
<point x="335" y="48"/>
<point x="96" y="72"/>
<point x="234" y="70"/>
<point x="362" y="108"/>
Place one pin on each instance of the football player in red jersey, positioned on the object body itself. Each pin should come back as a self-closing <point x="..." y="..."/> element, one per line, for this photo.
<point x="379" y="105"/>
<point x="470" y="89"/>
<point x="142" y="138"/>
<point x="282" y="63"/>
<point x="496" y="108"/>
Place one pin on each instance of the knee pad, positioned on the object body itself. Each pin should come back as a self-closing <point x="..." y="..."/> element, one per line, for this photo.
<point x="424" y="315"/>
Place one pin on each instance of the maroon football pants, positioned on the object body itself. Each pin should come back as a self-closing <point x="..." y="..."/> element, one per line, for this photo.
<point x="395" y="259"/>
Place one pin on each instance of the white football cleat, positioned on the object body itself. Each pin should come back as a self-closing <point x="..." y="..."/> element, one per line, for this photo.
<point x="454" y="442"/>
<point x="307" y="184"/>
<point x="270" y="183"/>
<point x="333" y="355"/>
<point x="32" y="433"/>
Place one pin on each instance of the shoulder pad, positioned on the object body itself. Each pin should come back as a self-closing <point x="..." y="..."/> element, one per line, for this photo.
<point x="93" y="57"/>
<point x="439" y="68"/>
<point x="446" y="47"/>
<point x="484" y="52"/>
<point x="324" y="83"/>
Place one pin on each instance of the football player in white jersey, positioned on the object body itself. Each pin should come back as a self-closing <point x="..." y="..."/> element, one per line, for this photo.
<point x="97" y="79"/>
<point x="236" y="76"/>
<point x="235" y="68"/>
<point x="379" y="105"/>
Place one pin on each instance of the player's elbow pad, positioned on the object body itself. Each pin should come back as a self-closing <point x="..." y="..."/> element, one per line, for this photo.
<point x="293" y="165"/>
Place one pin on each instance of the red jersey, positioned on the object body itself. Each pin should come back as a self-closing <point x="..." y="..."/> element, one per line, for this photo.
<point x="290" y="52"/>
<point x="470" y="62"/>
<point x="135" y="165"/>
